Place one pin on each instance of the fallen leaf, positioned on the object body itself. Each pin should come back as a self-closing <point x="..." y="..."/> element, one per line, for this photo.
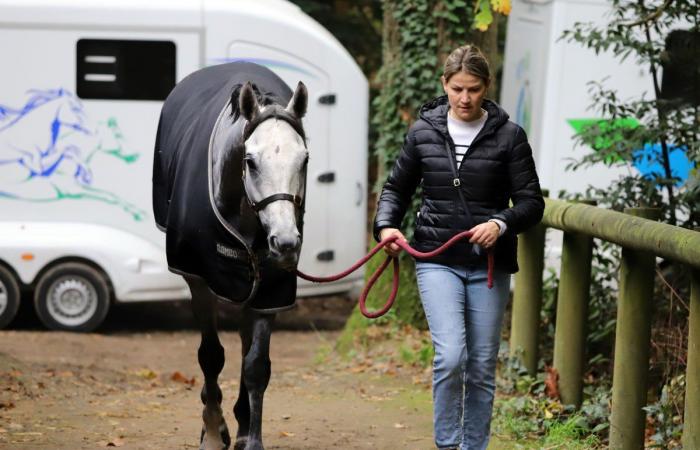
<point x="551" y="382"/>
<point x="180" y="378"/>
<point x="146" y="373"/>
<point x="286" y="434"/>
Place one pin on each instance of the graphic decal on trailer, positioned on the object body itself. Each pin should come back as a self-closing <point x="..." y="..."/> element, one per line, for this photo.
<point x="646" y="159"/>
<point x="269" y="63"/>
<point x="48" y="147"/>
<point x="523" y="108"/>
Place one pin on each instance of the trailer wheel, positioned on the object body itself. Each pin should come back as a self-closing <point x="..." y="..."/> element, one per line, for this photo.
<point x="72" y="297"/>
<point x="9" y="297"/>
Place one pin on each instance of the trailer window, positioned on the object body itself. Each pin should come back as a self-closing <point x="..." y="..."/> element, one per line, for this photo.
<point x="126" y="70"/>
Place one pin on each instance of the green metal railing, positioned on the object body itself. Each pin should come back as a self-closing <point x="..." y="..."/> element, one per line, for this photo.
<point x="641" y="238"/>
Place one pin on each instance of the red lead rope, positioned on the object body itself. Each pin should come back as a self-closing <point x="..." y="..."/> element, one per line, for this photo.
<point x="395" y="283"/>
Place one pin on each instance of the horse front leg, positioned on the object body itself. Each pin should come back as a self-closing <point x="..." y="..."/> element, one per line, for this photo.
<point x="241" y="410"/>
<point x="215" y="435"/>
<point x="256" y="373"/>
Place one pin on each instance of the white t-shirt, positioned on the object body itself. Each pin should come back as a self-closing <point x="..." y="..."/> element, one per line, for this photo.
<point x="463" y="134"/>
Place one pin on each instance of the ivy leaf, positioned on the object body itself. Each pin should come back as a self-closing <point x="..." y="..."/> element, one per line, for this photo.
<point x="483" y="17"/>
<point x="501" y="6"/>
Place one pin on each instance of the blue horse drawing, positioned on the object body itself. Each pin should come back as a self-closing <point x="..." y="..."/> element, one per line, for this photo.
<point x="43" y="156"/>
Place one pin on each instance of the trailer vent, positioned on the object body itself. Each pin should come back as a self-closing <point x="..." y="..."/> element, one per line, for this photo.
<point x="126" y="70"/>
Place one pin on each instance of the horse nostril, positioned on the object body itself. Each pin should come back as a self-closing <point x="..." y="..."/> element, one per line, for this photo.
<point x="273" y="243"/>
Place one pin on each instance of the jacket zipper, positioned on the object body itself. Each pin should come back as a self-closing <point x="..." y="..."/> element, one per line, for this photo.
<point x="456" y="182"/>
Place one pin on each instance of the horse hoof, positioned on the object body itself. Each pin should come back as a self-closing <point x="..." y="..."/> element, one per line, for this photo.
<point x="254" y="445"/>
<point x="225" y="438"/>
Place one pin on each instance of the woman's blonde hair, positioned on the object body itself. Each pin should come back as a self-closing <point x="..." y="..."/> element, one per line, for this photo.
<point x="469" y="59"/>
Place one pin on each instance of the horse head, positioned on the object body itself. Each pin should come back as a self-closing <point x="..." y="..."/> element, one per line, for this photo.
<point x="70" y="113"/>
<point x="274" y="169"/>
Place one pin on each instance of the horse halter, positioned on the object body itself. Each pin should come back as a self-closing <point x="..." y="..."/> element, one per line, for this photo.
<point x="273" y="198"/>
<point x="279" y="114"/>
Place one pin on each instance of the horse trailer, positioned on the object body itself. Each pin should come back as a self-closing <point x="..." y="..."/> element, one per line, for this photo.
<point x="81" y="89"/>
<point x="545" y="88"/>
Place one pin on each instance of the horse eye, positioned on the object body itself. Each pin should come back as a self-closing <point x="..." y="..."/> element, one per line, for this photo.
<point x="251" y="163"/>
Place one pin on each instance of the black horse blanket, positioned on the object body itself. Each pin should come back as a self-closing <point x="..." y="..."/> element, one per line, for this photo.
<point x="201" y="240"/>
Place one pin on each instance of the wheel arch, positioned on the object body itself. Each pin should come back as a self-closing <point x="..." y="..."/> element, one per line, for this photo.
<point x="76" y="259"/>
<point x="14" y="273"/>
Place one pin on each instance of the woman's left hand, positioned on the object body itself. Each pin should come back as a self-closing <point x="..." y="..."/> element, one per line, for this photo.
<point x="485" y="234"/>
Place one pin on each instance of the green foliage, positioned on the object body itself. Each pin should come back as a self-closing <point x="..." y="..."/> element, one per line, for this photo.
<point x="420" y="33"/>
<point x="526" y="412"/>
<point x="422" y="356"/>
<point x="637" y="29"/>
<point x="357" y="25"/>
<point x="667" y="415"/>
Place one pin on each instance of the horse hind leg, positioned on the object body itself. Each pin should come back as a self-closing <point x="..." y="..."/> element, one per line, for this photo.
<point x="215" y="435"/>
<point x="256" y="373"/>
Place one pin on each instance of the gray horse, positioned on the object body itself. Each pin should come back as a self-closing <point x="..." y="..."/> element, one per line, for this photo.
<point x="229" y="183"/>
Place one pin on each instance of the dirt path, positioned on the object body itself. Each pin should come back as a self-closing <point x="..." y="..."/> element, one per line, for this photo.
<point x="133" y="390"/>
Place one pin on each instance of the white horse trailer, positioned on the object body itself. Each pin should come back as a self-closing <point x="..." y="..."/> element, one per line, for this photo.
<point x="81" y="89"/>
<point x="545" y="89"/>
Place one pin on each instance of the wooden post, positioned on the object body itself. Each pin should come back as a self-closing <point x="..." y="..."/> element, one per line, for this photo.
<point x="691" y="424"/>
<point x="572" y="315"/>
<point x="527" y="296"/>
<point x="632" y="340"/>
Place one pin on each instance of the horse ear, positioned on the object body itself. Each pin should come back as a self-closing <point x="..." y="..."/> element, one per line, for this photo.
<point x="248" y="102"/>
<point x="297" y="104"/>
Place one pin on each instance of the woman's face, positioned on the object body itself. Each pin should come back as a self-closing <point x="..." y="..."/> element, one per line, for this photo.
<point x="465" y="93"/>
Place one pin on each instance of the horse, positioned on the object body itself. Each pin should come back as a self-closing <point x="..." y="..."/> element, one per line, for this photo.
<point x="229" y="181"/>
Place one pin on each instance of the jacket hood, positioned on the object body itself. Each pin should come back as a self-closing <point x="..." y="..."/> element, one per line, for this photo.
<point x="435" y="113"/>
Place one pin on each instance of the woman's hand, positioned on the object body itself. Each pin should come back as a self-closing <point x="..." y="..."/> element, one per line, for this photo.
<point x="393" y="248"/>
<point x="485" y="234"/>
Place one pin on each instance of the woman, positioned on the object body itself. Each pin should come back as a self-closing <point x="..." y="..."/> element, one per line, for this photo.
<point x="470" y="160"/>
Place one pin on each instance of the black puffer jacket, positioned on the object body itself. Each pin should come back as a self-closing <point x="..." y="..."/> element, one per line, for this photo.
<point x="498" y="168"/>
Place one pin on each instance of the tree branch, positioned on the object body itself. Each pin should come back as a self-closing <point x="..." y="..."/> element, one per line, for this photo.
<point x="651" y="17"/>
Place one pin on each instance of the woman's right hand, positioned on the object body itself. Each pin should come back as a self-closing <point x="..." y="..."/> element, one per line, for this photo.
<point x="393" y="248"/>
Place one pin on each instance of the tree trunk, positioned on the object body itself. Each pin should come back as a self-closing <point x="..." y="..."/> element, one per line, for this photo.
<point x="487" y="41"/>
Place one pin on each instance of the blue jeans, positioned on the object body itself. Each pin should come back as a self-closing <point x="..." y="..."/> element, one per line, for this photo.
<point x="464" y="317"/>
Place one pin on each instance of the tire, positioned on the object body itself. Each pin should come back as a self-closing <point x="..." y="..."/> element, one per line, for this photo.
<point x="72" y="297"/>
<point x="9" y="297"/>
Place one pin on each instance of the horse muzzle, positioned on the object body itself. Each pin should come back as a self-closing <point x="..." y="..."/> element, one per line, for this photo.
<point x="284" y="250"/>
